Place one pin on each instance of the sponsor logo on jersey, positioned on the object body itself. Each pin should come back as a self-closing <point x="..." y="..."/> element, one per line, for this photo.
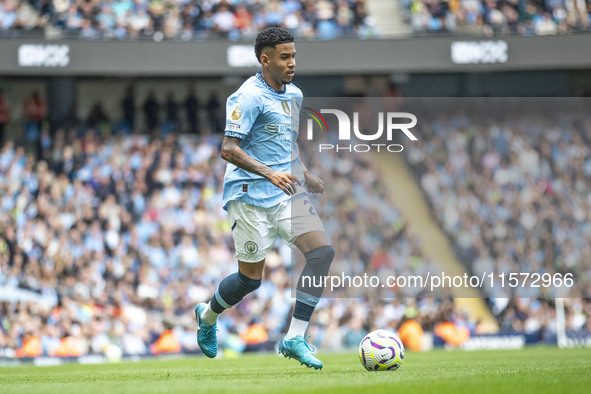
<point x="277" y="127"/>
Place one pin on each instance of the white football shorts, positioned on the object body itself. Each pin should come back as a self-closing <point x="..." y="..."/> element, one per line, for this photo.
<point x="255" y="229"/>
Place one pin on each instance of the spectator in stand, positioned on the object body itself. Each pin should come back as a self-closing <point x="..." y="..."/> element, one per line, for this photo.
<point x="8" y="15"/>
<point x="157" y="11"/>
<point x="128" y="109"/>
<point x="171" y="123"/>
<point x="151" y="109"/>
<point x="4" y="114"/>
<point x="243" y="20"/>
<point x="192" y="109"/>
<point x="73" y="19"/>
<point x="98" y="119"/>
<point x="223" y="19"/>
<point x="214" y="112"/>
<point x="35" y="113"/>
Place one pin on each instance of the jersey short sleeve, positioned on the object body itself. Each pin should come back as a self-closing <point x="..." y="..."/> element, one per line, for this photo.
<point x="242" y="110"/>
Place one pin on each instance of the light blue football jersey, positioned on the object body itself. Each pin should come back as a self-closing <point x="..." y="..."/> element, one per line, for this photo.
<point x="262" y="118"/>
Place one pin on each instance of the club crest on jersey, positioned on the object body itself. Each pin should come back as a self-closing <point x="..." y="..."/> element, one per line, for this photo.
<point x="251" y="247"/>
<point x="285" y="106"/>
<point x="237" y="113"/>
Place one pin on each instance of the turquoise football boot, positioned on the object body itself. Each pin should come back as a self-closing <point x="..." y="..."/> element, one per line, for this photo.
<point x="206" y="334"/>
<point x="298" y="348"/>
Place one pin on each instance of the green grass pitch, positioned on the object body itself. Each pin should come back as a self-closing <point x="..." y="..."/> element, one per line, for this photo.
<point x="533" y="370"/>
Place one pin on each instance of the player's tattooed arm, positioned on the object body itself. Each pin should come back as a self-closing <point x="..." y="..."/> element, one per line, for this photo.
<point x="232" y="153"/>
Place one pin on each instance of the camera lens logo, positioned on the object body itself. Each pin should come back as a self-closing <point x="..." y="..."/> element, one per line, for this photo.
<point x="347" y="130"/>
<point x="316" y="116"/>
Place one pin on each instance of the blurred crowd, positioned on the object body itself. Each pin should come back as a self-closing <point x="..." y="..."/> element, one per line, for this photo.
<point x="512" y="193"/>
<point x="492" y="17"/>
<point x="184" y="19"/>
<point x="538" y="316"/>
<point x="120" y="235"/>
<point x="108" y="239"/>
<point x="187" y="20"/>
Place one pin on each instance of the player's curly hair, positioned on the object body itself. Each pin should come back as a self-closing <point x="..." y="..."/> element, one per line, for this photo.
<point x="269" y="37"/>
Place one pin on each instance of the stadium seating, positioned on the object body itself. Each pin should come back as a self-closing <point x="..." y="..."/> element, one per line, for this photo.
<point x="121" y="236"/>
<point x="182" y="20"/>
<point x="512" y="195"/>
<point x="494" y="17"/>
<point x="111" y="239"/>
<point x="327" y="19"/>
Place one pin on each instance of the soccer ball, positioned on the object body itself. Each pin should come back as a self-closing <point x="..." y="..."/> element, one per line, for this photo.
<point x="381" y="350"/>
